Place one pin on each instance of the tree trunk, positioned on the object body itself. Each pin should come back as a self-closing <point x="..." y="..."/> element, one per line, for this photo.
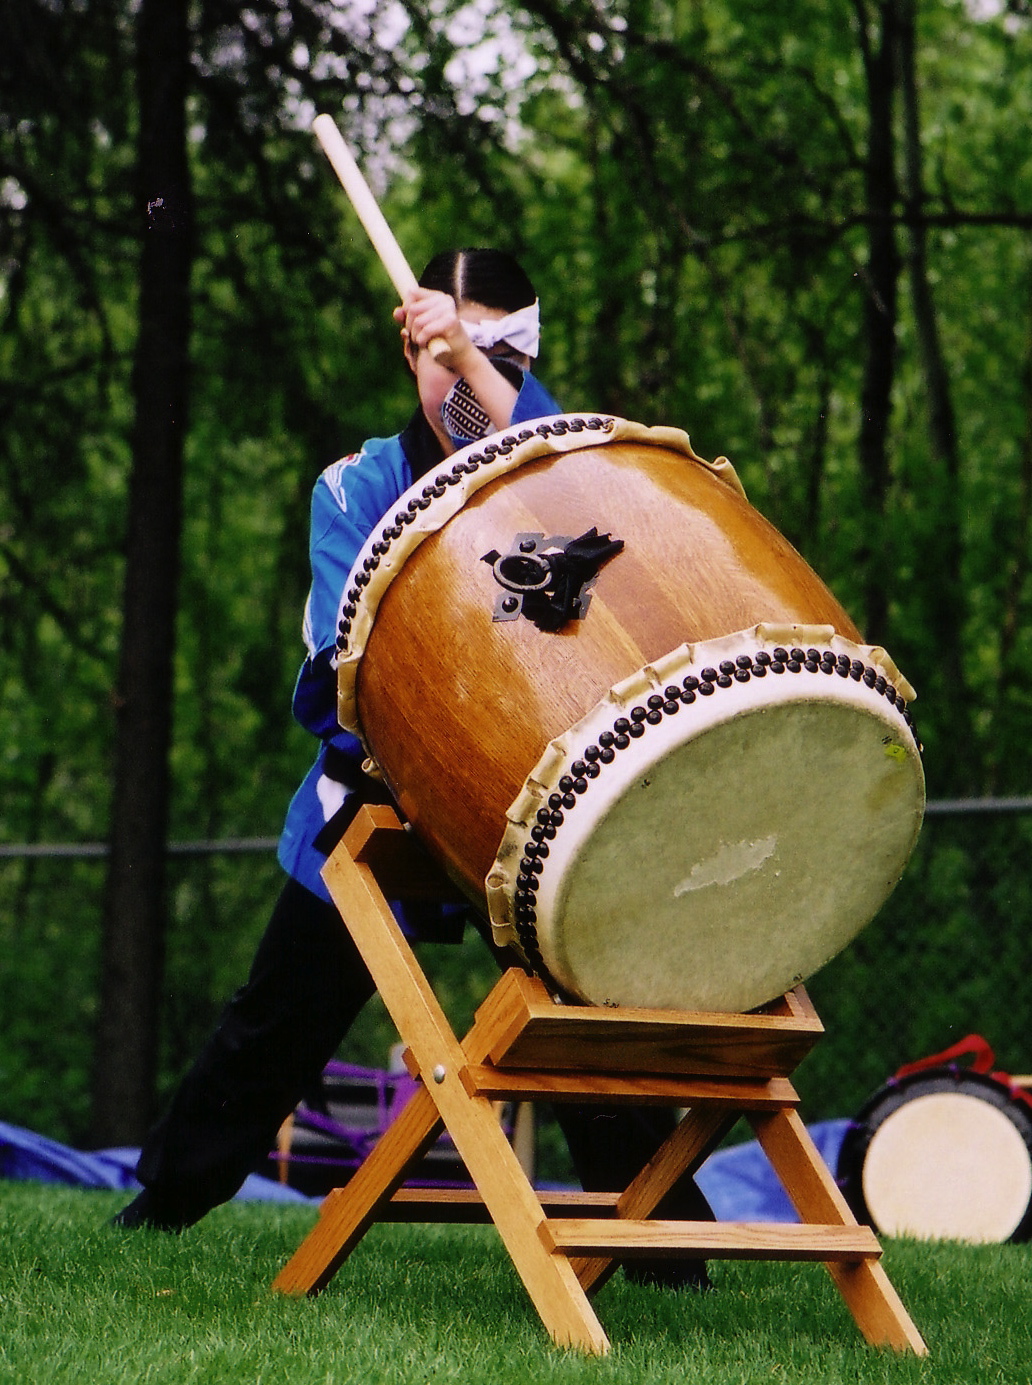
<point x="135" y="902"/>
<point x="943" y="557"/>
<point x="881" y="278"/>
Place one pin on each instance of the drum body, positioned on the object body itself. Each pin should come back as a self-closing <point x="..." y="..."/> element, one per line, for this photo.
<point x="944" y="1154"/>
<point x="743" y="826"/>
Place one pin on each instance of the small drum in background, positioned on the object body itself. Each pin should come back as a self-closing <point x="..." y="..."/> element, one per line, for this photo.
<point x="628" y="718"/>
<point x="942" y="1153"/>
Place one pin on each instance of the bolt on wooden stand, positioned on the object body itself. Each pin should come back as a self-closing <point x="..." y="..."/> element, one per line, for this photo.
<point x="525" y="1047"/>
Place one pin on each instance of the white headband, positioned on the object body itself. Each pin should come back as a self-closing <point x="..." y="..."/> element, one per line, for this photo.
<point x="520" y="330"/>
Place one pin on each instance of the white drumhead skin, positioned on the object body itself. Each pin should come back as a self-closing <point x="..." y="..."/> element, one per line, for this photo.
<point x="727" y="894"/>
<point x="947" y="1166"/>
<point x="728" y="852"/>
<point x="743" y="898"/>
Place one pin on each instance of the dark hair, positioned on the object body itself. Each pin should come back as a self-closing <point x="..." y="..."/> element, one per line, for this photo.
<point x="491" y="277"/>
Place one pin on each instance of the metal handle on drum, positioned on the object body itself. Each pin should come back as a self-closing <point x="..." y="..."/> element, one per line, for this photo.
<point x="549" y="580"/>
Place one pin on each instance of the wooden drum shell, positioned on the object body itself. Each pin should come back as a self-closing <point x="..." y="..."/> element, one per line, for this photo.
<point x="458" y="708"/>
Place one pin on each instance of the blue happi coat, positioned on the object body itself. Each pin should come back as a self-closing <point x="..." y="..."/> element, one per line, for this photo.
<point x="349" y="499"/>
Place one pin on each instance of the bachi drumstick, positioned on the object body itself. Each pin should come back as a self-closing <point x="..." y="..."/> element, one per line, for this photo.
<point x="324" y="127"/>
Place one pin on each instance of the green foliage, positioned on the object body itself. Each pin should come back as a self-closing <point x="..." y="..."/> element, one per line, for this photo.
<point x="688" y="185"/>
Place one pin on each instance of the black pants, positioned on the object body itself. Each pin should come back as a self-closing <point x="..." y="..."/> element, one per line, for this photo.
<point x="308" y="983"/>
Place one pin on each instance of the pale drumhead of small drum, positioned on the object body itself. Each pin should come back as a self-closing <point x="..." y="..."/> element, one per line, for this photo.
<point x="732" y="849"/>
<point x="947" y="1166"/>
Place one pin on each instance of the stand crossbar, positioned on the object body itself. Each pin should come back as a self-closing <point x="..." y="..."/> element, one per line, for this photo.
<point x="523" y="1046"/>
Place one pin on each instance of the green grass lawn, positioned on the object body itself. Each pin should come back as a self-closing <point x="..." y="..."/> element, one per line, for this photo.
<point x="80" y="1301"/>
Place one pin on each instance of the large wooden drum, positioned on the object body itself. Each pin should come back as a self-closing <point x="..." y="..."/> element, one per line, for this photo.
<point x="670" y="770"/>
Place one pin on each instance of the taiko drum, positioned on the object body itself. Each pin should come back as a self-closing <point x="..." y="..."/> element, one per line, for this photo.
<point x="677" y="778"/>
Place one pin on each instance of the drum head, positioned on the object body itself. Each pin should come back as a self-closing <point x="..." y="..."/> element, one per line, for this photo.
<point x="727" y="853"/>
<point x="747" y="898"/>
<point x="942" y="1156"/>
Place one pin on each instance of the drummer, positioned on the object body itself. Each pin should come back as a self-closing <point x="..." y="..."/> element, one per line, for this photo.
<point x="308" y="981"/>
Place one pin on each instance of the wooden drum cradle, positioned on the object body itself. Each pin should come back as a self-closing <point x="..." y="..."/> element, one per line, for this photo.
<point x="627" y="717"/>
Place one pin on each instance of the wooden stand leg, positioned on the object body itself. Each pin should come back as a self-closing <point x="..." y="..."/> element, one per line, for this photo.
<point x="514" y="1208"/>
<point x="866" y="1288"/>
<point x="682" y="1151"/>
<point x="347" y="1213"/>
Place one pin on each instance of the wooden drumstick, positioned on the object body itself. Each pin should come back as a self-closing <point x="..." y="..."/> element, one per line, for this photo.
<point x="324" y="127"/>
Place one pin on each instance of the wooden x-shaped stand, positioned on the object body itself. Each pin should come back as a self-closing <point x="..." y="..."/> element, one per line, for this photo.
<point x="525" y="1047"/>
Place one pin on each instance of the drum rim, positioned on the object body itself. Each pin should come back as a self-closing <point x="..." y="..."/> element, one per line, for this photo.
<point x="898" y="1092"/>
<point x="429" y="503"/>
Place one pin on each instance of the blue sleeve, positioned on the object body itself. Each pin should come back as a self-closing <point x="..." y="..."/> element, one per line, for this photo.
<point x="349" y="499"/>
<point x="315" y="701"/>
<point x="533" y="401"/>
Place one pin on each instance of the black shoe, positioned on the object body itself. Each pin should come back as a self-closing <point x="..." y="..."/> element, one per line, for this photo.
<point x="146" y="1211"/>
<point x="670" y="1274"/>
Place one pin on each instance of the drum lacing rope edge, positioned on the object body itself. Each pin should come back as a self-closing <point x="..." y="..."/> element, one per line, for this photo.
<point x="632" y="727"/>
<point x="435" y="489"/>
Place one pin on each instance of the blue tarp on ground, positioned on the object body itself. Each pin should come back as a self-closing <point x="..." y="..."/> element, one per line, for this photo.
<point x="739" y="1182"/>
<point x="741" y="1185"/>
<point x="24" y="1154"/>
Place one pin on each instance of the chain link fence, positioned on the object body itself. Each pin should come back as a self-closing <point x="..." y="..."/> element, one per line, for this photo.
<point x="948" y="955"/>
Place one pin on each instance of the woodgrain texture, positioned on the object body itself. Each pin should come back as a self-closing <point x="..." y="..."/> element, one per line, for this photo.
<point x="458" y="708"/>
<point x="535" y="1033"/>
